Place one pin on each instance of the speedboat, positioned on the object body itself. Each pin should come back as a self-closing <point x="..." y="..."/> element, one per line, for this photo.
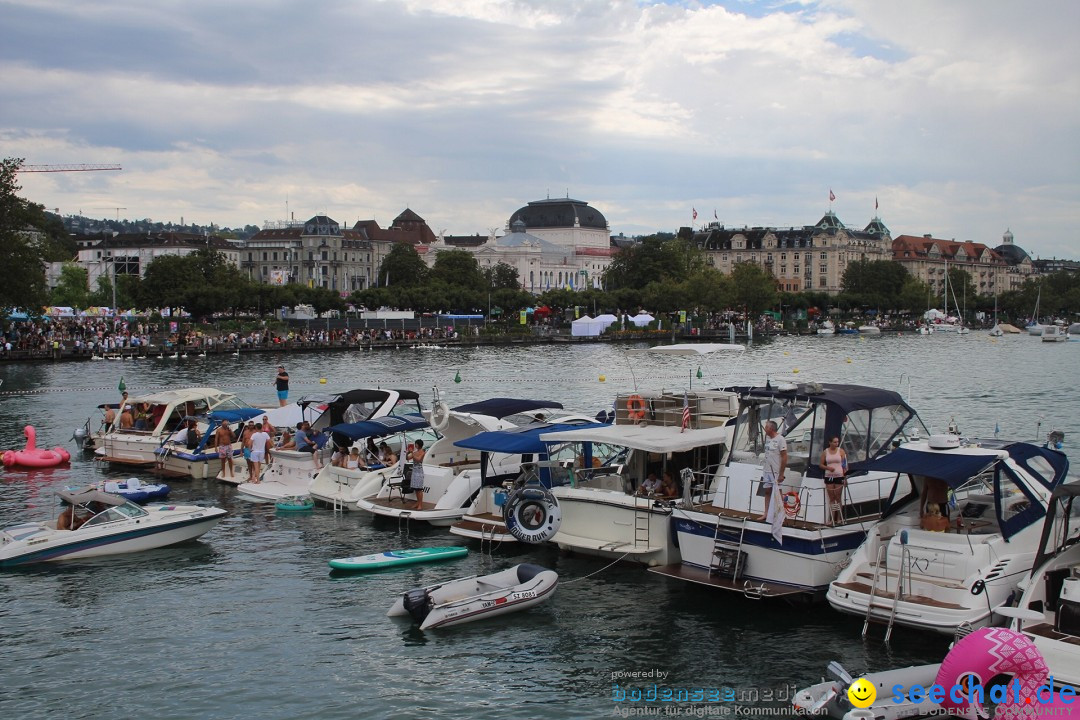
<point x="477" y="598"/>
<point x="927" y="572"/>
<point x="341" y="487"/>
<point x="869" y="330"/>
<point x="451" y="477"/>
<point x="291" y="472"/>
<point x="723" y="542"/>
<point x="165" y="413"/>
<point x="827" y="328"/>
<point x="541" y="465"/>
<point x="1054" y="333"/>
<point x="105" y="524"/>
<point x="605" y="510"/>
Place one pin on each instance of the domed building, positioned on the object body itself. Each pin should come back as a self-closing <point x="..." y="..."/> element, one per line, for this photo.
<point x="564" y="221"/>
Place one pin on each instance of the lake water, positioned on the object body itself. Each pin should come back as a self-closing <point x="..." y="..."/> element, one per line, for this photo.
<point x="248" y="622"/>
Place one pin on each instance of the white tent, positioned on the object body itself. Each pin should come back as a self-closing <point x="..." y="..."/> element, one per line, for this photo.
<point x="586" y="326"/>
<point x="642" y="319"/>
<point x="605" y="320"/>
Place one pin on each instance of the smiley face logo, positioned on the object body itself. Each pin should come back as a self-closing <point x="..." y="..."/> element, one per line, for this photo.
<point x="862" y="693"/>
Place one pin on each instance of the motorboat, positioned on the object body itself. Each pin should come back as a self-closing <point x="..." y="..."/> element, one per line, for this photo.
<point x="451" y="477"/>
<point x="607" y="509"/>
<point x="1073" y="332"/>
<point x="1048" y="611"/>
<point x="919" y="568"/>
<point x="290" y="472"/>
<point x="477" y="598"/>
<point x="1054" y="333"/>
<point x="540" y="465"/>
<point x="869" y="330"/>
<point x="827" y="328"/>
<point x="723" y="542"/>
<point x="105" y="524"/>
<point x="165" y="412"/>
<point x="341" y="487"/>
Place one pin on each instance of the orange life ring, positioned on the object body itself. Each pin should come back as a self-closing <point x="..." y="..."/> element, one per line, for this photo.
<point x="635" y="407"/>
<point x="792" y="503"/>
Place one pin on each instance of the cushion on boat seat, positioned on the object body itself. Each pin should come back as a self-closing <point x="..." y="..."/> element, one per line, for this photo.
<point x="527" y="571"/>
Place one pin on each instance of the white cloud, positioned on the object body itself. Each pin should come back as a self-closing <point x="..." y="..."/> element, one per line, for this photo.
<point x="961" y="117"/>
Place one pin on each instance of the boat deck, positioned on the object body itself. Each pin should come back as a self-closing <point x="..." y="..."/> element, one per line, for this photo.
<point x="1047" y="630"/>
<point x="398" y="503"/>
<point x="710" y="509"/>
<point x="865" y="589"/>
<point x="701" y="576"/>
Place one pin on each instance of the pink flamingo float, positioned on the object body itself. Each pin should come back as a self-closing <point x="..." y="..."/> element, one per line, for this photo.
<point x="988" y="652"/>
<point x="32" y="456"/>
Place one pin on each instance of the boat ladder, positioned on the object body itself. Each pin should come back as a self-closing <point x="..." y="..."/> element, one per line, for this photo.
<point x="727" y="554"/>
<point x="898" y="595"/>
<point x="642" y="520"/>
<point x="873" y="589"/>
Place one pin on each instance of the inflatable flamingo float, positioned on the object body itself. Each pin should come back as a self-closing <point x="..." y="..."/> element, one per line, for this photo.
<point x="32" y="456"/>
<point x="995" y="651"/>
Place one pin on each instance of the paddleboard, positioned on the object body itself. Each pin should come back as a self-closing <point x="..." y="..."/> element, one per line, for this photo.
<point x="390" y="558"/>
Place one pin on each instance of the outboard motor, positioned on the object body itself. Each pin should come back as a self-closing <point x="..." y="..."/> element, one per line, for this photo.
<point x="81" y="434"/>
<point x="418" y="603"/>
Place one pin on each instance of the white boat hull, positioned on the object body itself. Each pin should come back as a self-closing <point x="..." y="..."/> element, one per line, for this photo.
<point x="612" y="524"/>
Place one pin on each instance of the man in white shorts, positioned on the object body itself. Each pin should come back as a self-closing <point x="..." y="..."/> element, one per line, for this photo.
<point x="260" y="452"/>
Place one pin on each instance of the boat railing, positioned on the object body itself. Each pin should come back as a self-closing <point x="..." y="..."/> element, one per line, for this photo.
<point x="863" y="497"/>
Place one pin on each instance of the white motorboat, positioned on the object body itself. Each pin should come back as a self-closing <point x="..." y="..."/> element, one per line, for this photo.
<point x="1054" y="333"/>
<point x="541" y="465"/>
<point x="104" y="524"/>
<point x="827" y="328"/>
<point x="451" y="477"/>
<point x="165" y="412"/>
<point x="341" y="487"/>
<point x="291" y="472"/>
<point x="724" y="544"/>
<point x="869" y="330"/>
<point x="605" y="510"/>
<point x="1048" y="612"/>
<point x="961" y="572"/>
<point x="477" y="598"/>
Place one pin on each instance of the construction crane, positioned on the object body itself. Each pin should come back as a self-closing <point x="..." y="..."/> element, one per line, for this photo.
<point x="66" y="168"/>
<point x="117" y="209"/>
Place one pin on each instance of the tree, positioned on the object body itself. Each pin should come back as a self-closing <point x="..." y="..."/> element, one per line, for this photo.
<point x="501" y="275"/>
<point x="73" y="287"/>
<point x="914" y="296"/>
<point x="403" y="267"/>
<point x="652" y="259"/>
<point x="755" y="288"/>
<point x="873" y="283"/>
<point x="24" y="276"/>
<point x="458" y="267"/>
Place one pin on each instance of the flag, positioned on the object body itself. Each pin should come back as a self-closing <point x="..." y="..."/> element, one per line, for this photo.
<point x="875" y="203"/>
<point x="685" y="412"/>
<point x="695" y="212"/>
<point x="832" y="197"/>
<point x="997" y="429"/>
<point x="714" y="215"/>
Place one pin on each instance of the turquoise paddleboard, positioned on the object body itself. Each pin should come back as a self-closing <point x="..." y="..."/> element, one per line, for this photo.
<point x="390" y="558"/>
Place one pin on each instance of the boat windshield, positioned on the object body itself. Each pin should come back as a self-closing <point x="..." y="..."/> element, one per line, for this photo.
<point x="866" y="434"/>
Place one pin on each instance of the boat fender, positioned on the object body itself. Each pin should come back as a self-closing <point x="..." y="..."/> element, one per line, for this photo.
<point x="418" y="603"/>
<point x="532" y="515"/>
<point x="440" y="416"/>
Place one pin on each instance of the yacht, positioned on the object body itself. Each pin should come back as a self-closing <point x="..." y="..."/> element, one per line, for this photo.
<point x="960" y="572"/>
<point x="166" y="412"/>
<point x="724" y="544"/>
<point x="452" y="474"/>
<point x="341" y="487"/>
<point x="291" y="472"/>
<point x="606" y="509"/>
<point x="112" y="526"/>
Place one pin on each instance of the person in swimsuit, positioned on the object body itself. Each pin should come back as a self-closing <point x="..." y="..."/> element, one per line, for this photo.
<point x="416" y="484"/>
<point x="834" y="463"/>
<point x="223" y="436"/>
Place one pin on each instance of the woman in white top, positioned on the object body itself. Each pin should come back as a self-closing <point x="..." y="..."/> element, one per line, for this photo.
<point x="353" y="462"/>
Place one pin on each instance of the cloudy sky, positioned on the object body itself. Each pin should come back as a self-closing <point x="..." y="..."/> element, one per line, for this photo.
<point x="959" y="116"/>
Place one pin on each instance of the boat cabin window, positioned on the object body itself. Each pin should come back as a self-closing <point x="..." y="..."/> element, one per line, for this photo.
<point x="131" y="510"/>
<point x="106" y="516"/>
<point x="801" y="423"/>
<point x="866" y="434"/>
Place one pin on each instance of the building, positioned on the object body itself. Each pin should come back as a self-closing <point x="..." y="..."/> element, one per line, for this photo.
<point x="552" y="243"/>
<point x="316" y="253"/>
<point x="991" y="271"/>
<point x="131" y="253"/>
<point x="811" y="257"/>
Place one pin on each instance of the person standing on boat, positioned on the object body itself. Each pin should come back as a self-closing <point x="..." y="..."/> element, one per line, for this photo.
<point x="834" y="463"/>
<point x="776" y="457"/>
<point x="282" y="382"/>
<point x="416" y="482"/>
<point x="260" y="452"/>
<point x="223" y="437"/>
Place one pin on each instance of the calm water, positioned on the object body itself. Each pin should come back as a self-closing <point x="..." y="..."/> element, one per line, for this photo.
<point x="248" y="622"/>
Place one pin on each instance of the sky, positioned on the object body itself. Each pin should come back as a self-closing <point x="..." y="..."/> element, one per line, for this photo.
<point x="959" y="118"/>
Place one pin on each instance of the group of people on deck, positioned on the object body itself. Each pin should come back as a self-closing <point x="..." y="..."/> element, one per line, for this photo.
<point x="665" y="489"/>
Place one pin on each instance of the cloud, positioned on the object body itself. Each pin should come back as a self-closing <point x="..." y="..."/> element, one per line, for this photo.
<point x="961" y="118"/>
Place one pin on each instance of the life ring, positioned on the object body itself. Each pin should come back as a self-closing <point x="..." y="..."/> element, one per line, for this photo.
<point x="635" y="407"/>
<point x="440" y="416"/>
<point x="532" y="514"/>
<point x="792" y="503"/>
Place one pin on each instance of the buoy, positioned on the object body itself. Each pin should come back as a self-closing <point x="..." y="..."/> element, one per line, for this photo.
<point x="322" y="381"/>
<point x="786" y="352"/>
<point x="603" y="378"/>
<point x="457" y="376"/>
<point x="795" y="370"/>
<point x="849" y="361"/>
<point x="699" y="375"/>
<point x="121" y="387"/>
